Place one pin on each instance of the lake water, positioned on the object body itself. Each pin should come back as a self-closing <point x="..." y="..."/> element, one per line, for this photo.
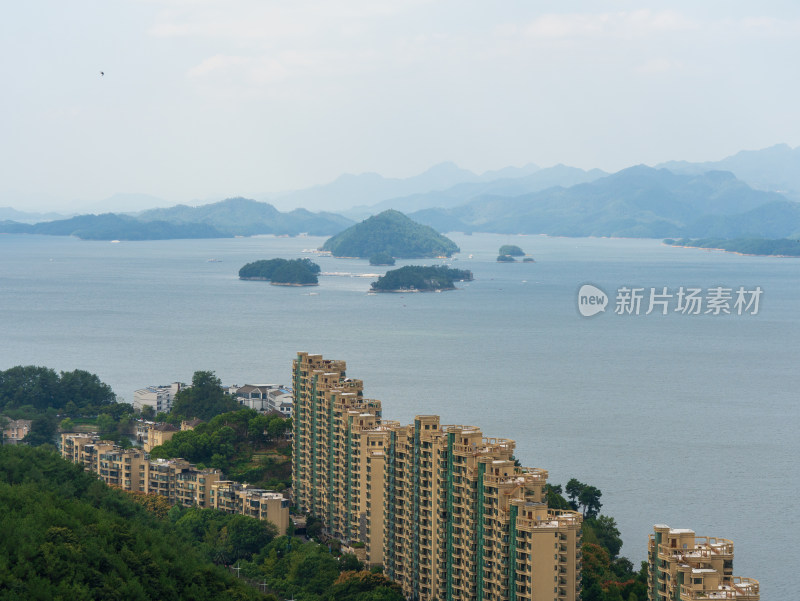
<point x="688" y="420"/>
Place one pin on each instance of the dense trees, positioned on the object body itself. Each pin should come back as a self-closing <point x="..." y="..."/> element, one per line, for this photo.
<point x="511" y="250"/>
<point x="606" y="576"/>
<point x="230" y="441"/>
<point x="49" y="398"/>
<point x="28" y="391"/>
<point x="204" y="399"/>
<point x="415" y="277"/>
<point x="381" y="258"/>
<point x="393" y="233"/>
<point x="225" y="538"/>
<point x="66" y="535"/>
<point x="584" y="497"/>
<point x="313" y="572"/>
<point x="281" y="271"/>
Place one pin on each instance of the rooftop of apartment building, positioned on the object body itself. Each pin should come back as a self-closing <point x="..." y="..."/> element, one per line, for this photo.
<point x="174" y="387"/>
<point x="164" y="427"/>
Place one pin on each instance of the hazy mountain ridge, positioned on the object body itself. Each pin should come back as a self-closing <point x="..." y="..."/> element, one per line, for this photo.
<point x="775" y="169"/>
<point x="10" y="214"/>
<point x="636" y="202"/>
<point x="246" y="217"/>
<point x="511" y="184"/>
<point x="227" y="218"/>
<point x="110" y="226"/>
<point x="366" y="189"/>
<point x="686" y="200"/>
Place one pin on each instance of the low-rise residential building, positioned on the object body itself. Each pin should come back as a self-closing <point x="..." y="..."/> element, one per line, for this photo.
<point x="142" y="428"/>
<point x="181" y="482"/>
<point x="190" y="424"/>
<point x="158" y="397"/>
<point x="685" y="567"/>
<point x="175" y="479"/>
<point x="233" y="497"/>
<point x="123" y="468"/>
<point x="158" y="434"/>
<point x="281" y="401"/>
<point x="84" y="449"/>
<point x="15" y="430"/>
<point x="264" y="398"/>
<point x="252" y="397"/>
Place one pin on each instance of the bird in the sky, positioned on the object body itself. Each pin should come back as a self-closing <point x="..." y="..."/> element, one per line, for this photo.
<point x="101" y="74"/>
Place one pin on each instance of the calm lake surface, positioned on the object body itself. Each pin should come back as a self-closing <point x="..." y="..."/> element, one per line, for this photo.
<point x="688" y="420"/>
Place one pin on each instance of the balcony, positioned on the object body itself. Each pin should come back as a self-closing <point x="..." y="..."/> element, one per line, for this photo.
<point x="704" y="548"/>
<point x="740" y="589"/>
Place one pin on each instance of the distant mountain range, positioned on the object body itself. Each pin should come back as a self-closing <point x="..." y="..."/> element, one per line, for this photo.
<point x="640" y="202"/>
<point x="232" y="217"/>
<point x="512" y="183"/>
<point x="775" y="169"/>
<point x="750" y="194"/>
<point x="245" y="217"/>
<point x="366" y="189"/>
<point x="9" y="214"/>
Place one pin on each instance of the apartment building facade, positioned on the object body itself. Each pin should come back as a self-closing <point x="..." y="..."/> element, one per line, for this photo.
<point x="175" y="479"/>
<point x="14" y="430"/>
<point x="263" y="398"/>
<point x="447" y="512"/>
<point x="233" y="497"/>
<point x="685" y="567"/>
<point x="158" y="397"/>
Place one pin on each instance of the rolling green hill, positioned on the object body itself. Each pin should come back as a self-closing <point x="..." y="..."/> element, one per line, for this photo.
<point x="393" y="233"/>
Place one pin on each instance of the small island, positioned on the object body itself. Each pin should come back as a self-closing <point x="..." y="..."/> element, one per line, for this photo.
<point x="381" y="258"/>
<point x="416" y="278"/>
<point x="511" y="250"/>
<point x="775" y="247"/>
<point x="282" y="272"/>
<point x="393" y="233"/>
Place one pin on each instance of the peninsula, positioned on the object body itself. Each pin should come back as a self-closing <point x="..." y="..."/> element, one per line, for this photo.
<point x="775" y="247"/>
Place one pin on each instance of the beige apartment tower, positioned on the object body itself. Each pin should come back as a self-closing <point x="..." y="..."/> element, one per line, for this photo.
<point x="686" y="567"/>
<point x="449" y="513"/>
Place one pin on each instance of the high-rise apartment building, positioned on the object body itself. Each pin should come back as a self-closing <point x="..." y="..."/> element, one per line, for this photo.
<point x="449" y="513"/>
<point x="686" y="567"/>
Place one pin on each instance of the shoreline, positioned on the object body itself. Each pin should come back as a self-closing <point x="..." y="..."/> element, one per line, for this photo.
<point x="258" y="279"/>
<point x="414" y="290"/>
<point x="733" y="252"/>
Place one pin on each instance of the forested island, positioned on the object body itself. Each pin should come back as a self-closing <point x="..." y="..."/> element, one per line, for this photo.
<point x="391" y="233"/>
<point x="381" y="258"/>
<point x="421" y="279"/>
<point x="512" y="250"/>
<point x="282" y="272"/>
<point x="770" y="247"/>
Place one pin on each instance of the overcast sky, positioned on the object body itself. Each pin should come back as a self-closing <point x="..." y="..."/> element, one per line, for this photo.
<point x="207" y="99"/>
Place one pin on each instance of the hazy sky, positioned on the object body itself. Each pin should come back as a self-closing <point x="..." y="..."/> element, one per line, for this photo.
<point x="206" y="99"/>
